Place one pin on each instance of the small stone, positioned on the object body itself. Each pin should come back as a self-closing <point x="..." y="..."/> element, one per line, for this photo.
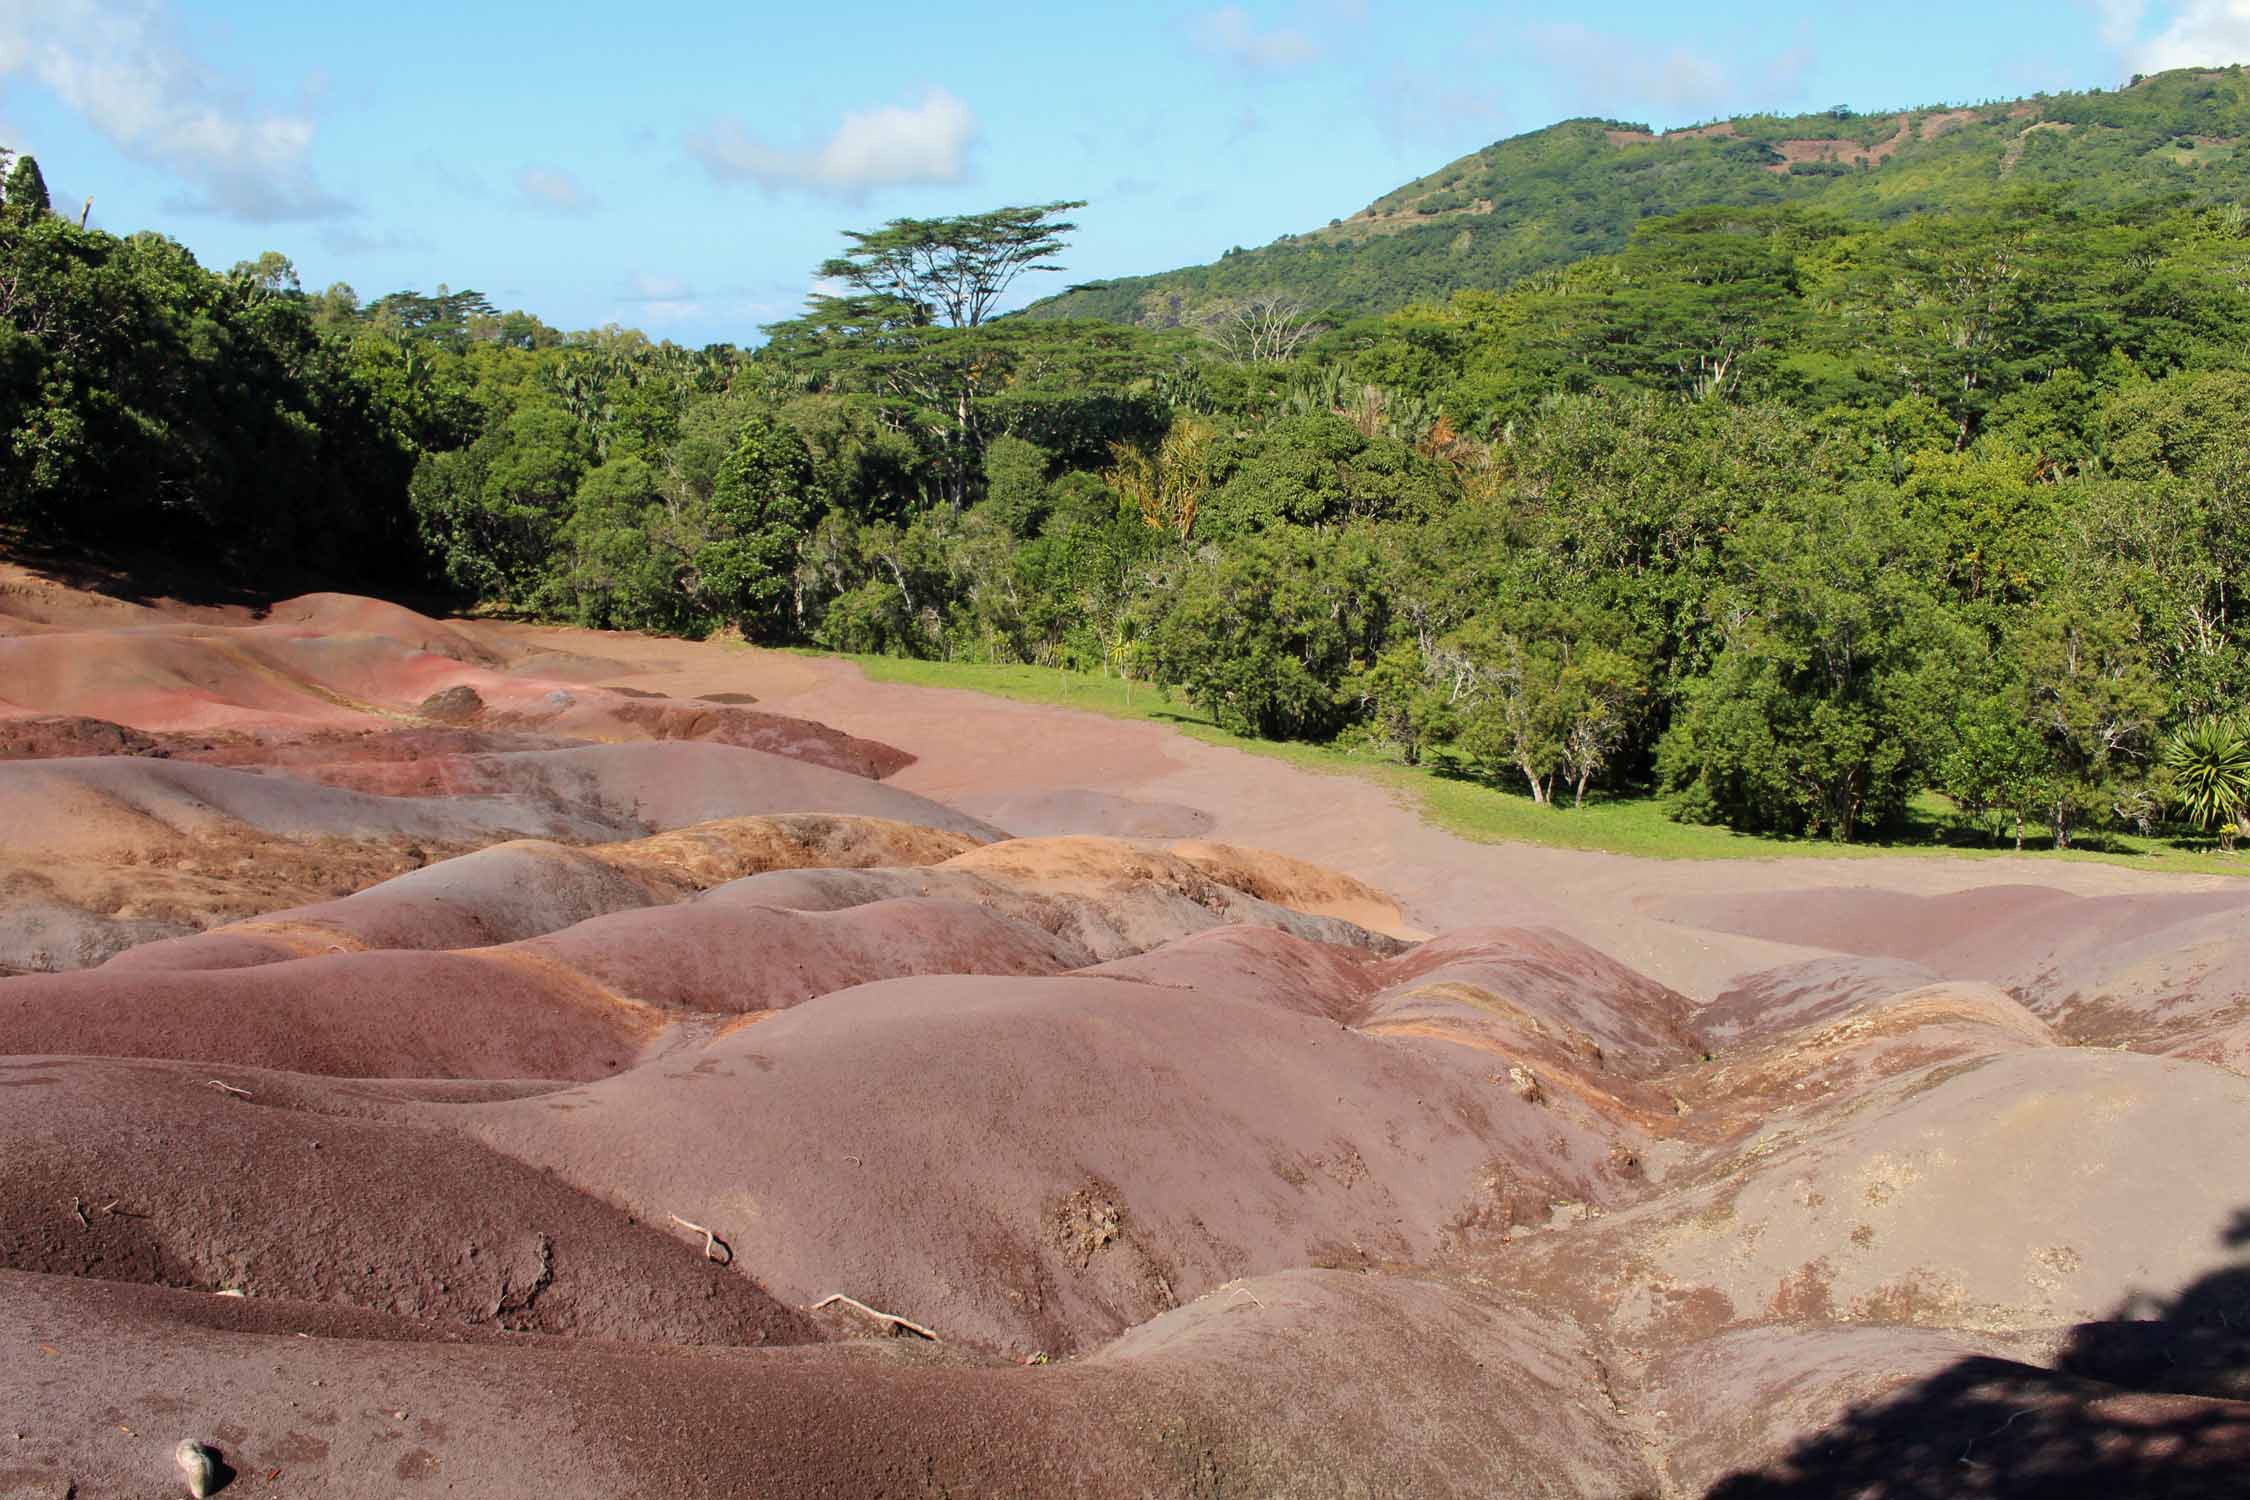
<point x="198" y="1465"/>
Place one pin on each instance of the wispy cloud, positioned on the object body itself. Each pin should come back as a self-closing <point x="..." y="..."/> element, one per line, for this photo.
<point x="2119" y="21"/>
<point x="2200" y="34"/>
<point x="120" y="65"/>
<point x="348" y="239"/>
<point x="1230" y="33"/>
<point x="1609" y="73"/>
<point x="1606" y="66"/>
<point x="1415" y="106"/>
<point x="554" y="190"/>
<point x="660" y="298"/>
<point x="895" y="145"/>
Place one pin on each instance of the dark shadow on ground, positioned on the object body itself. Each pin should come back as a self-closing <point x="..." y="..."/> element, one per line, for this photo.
<point x="2154" y="1402"/>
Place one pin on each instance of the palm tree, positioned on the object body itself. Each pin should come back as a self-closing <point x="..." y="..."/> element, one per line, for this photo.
<point x="2210" y="765"/>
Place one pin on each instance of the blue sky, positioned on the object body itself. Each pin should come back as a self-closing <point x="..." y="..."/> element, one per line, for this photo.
<point x="681" y="167"/>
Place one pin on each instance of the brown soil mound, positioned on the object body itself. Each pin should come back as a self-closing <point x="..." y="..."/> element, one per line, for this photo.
<point x="1298" y="1208"/>
<point x="1373" y="1376"/>
<point x="1863" y="1208"/>
<point x="1791" y="1413"/>
<point x="61" y="736"/>
<point x="253" y="1194"/>
<point x="1299" y="885"/>
<point x="525" y="888"/>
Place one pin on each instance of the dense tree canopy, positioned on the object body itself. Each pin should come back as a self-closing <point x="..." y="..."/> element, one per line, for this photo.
<point x="1789" y="515"/>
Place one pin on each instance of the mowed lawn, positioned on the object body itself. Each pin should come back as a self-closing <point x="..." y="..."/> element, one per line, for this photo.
<point x="1454" y="797"/>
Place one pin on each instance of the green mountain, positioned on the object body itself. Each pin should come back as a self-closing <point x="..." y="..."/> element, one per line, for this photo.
<point x="1538" y="201"/>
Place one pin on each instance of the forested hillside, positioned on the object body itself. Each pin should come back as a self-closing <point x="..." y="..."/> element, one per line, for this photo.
<point x="1785" y="516"/>
<point x="1540" y="201"/>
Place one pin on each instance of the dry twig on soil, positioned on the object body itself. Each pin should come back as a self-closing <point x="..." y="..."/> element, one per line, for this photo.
<point x="712" y="1244"/>
<point x="881" y="1317"/>
<point x="228" y="1088"/>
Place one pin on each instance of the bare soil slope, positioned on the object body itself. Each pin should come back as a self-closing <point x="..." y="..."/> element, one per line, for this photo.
<point x="538" y="1063"/>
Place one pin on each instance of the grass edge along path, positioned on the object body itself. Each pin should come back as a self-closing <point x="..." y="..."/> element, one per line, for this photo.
<point x="1477" y="810"/>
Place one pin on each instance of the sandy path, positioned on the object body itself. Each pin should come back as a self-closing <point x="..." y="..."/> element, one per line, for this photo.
<point x="975" y="747"/>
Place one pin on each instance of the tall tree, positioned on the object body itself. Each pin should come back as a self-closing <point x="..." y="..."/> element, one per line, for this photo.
<point x="26" y="201"/>
<point x="960" y="266"/>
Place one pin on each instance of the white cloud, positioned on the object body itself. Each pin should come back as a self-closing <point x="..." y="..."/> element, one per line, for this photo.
<point x="1613" y="74"/>
<point x="644" y="286"/>
<point x="118" y="64"/>
<point x="554" y="189"/>
<point x="1412" y="106"/>
<point x="1609" y="68"/>
<point x="891" y="146"/>
<point x="660" y="298"/>
<point x="2201" y="34"/>
<point x="2119" y="20"/>
<point x="1229" y="32"/>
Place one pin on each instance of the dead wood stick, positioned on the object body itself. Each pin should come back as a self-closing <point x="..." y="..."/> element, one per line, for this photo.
<point x="78" y="1207"/>
<point x="228" y="1088"/>
<point x="712" y="1244"/>
<point x="881" y="1317"/>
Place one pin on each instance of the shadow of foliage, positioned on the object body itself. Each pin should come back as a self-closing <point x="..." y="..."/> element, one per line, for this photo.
<point x="2152" y="1402"/>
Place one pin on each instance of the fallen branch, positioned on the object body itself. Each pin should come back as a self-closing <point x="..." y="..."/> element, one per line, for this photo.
<point x="78" y="1207"/>
<point x="712" y="1244"/>
<point x="881" y="1317"/>
<point x="1995" y="1432"/>
<point x="228" y="1088"/>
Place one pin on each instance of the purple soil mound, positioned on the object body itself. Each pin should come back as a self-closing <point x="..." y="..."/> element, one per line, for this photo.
<point x="1113" y="1150"/>
<point x="250" y="1194"/>
<point x="1759" y="1007"/>
<point x="717" y="957"/>
<point x="644" y="786"/>
<point x="496" y="895"/>
<point x="356" y="1015"/>
<point x="72" y="808"/>
<point x="2151" y="971"/>
<point x="1258" y="964"/>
